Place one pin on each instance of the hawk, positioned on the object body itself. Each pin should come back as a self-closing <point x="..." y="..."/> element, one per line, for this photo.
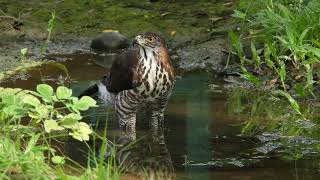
<point x="141" y="75"/>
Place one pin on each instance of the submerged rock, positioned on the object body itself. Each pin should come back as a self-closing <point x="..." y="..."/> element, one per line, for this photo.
<point x="109" y="40"/>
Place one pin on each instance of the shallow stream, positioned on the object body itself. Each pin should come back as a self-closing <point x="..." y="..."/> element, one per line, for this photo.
<point x="201" y="137"/>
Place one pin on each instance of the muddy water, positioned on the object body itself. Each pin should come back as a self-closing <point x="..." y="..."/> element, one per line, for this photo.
<point x="201" y="138"/>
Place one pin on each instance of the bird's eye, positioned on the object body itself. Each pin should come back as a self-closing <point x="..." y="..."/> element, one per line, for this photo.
<point x="151" y="39"/>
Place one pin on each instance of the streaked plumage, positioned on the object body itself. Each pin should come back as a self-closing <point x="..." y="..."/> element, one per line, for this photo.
<point x="141" y="75"/>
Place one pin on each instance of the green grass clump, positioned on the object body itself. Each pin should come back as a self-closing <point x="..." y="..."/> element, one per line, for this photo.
<point x="287" y="34"/>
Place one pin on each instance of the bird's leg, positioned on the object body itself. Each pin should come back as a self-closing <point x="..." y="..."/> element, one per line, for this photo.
<point x="157" y="116"/>
<point x="126" y="107"/>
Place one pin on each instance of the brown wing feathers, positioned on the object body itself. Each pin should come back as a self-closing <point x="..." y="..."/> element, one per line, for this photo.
<point x="121" y="76"/>
<point x="122" y="73"/>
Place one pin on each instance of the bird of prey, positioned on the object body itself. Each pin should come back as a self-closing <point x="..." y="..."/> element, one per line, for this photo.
<point x="141" y="75"/>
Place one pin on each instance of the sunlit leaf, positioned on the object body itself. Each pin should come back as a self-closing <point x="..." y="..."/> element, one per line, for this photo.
<point x="58" y="160"/>
<point x="42" y="111"/>
<point x="45" y="91"/>
<point x="63" y="92"/>
<point x="24" y="51"/>
<point x="70" y="120"/>
<point x="51" y="125"/>
<point x="81" y="132"/>
<point x="33" y="101"/>
<point x="84" y="103"/>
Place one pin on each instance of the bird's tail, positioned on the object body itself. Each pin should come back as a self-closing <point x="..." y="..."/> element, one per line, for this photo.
<point x="101" y="89"/>
<point x="107" y="97"/>
<point x="90" y="91"/>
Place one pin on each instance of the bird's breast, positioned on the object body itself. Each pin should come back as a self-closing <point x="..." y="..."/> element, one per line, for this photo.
<point x="155" y="79"/>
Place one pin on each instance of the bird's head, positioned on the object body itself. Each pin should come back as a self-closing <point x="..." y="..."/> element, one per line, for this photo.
<point x="149" y="40"/>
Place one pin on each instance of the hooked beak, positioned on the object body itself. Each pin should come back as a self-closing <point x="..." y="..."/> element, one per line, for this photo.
<point x="138" y="40"/>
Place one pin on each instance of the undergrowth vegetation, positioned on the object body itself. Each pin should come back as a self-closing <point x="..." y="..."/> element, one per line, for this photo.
<point x="278" y="46"/>
<point x="283" y="39"/>
<point x="33" y="121"/>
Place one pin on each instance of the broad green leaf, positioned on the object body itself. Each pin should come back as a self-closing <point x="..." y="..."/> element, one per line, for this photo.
<point x="42" y="111"/>
<point x="33" y="101"/>
<point x="63" y="92"/>
<point x="58" y="160"/>
<point x="51" y="125"/>
<point x="81" y="132"/>
<point x="84" y="103"/>
<point x="70" y="120"/>
<point x="9" y="100"/>
<point x="45" y="91"/>
<point x="11" y="110"/>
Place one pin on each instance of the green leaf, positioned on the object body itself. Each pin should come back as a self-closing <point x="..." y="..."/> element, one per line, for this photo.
<point x="267" y="57"/>
<point x="51" y="125"/>
<point x="81" y="132"/>
<point x="299" y="88"/>
<point x="45" y="91"/>
<point x="10" y="110"/>
<point x="58" y="160"/>
<point x="51" y="21"/>
<point x="84" y="103"/>
<point x="313" y="50"/>
<point x="239" y="14"/>
<point x="42" y="111"/>
<point x="310" y="80"/>
<point x="250" y="76"/>
<point x="70" y="120"/>
<point x="236" y="42"/>
<point x="255" y="55"/>
<point x="63" y="92"/>
<point x="32" y="142"/>
<point x="282" y="72"/>
<point x="33" y="101"/>
<point x="303" y="35"/>
<point x="24" y="51"/>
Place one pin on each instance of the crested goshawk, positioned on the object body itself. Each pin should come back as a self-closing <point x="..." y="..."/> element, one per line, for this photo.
<point x="142" y="74"/>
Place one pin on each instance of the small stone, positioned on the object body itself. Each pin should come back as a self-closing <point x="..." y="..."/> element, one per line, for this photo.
<point x="109" y="40"/>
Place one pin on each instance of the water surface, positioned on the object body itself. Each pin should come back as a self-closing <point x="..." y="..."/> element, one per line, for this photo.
<point x="201" y="138"/>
